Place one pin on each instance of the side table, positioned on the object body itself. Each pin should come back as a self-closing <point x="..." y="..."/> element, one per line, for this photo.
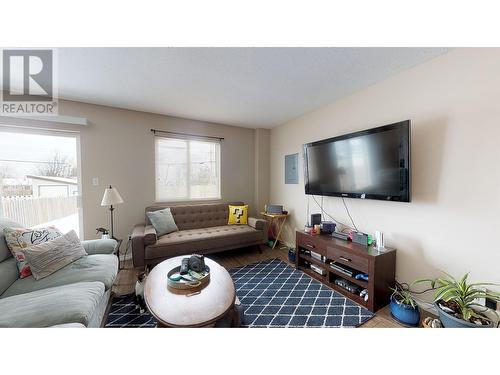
<point x="279" y="220"/>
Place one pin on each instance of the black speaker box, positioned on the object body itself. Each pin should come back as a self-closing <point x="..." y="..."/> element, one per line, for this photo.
<point x="315" y="219"/>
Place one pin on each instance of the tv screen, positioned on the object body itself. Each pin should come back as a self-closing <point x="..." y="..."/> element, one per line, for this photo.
<point x="370" y="164"/>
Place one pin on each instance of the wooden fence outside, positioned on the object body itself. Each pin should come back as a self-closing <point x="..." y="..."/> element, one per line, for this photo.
<point x="31" y="211"/>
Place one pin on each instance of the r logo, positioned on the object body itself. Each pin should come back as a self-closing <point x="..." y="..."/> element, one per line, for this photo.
<point x="28" y="75"/>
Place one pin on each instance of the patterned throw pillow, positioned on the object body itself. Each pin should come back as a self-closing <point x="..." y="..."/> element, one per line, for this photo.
<point x="19" y="239"/>
<point x="238" y="215"/>
<point x="48" y="257"/>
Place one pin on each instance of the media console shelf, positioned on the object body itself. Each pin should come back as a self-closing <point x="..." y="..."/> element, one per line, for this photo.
<point x="380" y="266"/>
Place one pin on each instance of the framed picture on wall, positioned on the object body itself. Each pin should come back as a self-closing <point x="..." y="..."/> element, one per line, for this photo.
<point x="291" y="169"/>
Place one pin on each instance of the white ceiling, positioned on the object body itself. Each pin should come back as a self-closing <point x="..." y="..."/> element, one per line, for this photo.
<point x="251" y="87"/>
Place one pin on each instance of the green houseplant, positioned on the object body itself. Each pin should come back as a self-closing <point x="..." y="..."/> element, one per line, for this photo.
<point x="402" y="305"/>
<point x="456" y="301"/>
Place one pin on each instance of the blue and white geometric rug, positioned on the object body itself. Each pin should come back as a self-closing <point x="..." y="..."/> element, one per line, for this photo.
<point x="275" y="294"/>
<point x="124" y="314"/>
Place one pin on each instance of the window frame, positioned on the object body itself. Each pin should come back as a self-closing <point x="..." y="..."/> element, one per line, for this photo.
<point x="188" y="199"/>
<point x="6" y="128"/>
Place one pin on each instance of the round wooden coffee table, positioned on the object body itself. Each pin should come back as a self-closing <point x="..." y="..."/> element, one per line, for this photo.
<point x="198" y="310"/>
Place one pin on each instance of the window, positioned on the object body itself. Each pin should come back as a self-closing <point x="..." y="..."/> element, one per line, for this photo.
<point x="187" y="169"/>
<point x="39" y="183"/>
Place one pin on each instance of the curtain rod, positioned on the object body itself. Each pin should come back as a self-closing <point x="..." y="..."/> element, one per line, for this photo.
<point x="190" y="135"/>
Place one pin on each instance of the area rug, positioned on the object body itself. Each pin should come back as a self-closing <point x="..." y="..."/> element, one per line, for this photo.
<point x="275" y="294"/>
<point x="124" y="314"/>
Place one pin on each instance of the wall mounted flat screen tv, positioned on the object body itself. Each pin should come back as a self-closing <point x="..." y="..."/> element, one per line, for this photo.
<point x="369" y="164"/>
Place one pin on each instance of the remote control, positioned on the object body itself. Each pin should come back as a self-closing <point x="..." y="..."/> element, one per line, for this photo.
<point x="184" y="266"/>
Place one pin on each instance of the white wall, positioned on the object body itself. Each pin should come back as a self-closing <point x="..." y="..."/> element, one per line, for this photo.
<point x="453" y="221"/>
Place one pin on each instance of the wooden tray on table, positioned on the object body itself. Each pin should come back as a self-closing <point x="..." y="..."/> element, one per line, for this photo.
<point x="188" y="284"/>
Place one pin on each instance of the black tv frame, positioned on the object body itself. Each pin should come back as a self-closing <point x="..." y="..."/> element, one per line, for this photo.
<point x="406" y="141"/>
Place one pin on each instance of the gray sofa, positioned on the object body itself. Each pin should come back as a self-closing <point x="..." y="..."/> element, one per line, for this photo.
<point x="203" y="229"/>
<point x="75" y="296"/>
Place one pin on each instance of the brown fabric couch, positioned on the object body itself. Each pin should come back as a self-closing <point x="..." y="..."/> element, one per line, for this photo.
<point x="203" y="229"/>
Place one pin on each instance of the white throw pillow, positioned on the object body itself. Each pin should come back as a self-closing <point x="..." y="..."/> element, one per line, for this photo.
<point x="48" y="257"/>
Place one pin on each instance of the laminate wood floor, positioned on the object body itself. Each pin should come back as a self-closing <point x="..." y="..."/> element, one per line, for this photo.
<point x="127" y="277"/>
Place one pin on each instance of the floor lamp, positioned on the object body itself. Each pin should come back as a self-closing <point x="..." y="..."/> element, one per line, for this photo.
<point x="111" y="197"/>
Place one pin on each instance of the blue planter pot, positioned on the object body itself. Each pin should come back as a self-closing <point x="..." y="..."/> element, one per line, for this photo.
<point x="405" y="314"/>
<point x="449" y="321"/>
<point x="291" y="256"/>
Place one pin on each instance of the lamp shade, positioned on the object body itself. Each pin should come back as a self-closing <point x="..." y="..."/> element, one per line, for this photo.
<point x="111" y="197"/>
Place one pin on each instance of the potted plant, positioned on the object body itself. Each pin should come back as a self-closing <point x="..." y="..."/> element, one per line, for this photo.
<point x="291" y="254"/>
<point x="403" y="307"/>
<point x="456" y="302"/>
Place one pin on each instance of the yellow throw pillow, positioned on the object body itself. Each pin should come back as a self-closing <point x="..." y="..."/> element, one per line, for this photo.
<point x="238" y="215"/>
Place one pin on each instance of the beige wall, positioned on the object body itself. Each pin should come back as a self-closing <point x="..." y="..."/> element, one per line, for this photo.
<point x="118" y="148"/>
<point x="453" y="221"/>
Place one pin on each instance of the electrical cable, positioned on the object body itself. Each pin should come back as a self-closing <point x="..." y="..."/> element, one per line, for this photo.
<point x="422" y="303"/>
<point x="322" y="206"/>
<point x="307" y="218"/>
<point x="349" y="214"/>
<point x="330" y="216"/>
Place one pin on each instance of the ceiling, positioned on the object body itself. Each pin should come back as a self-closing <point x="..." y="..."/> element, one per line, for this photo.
<point x="251" y="87"/>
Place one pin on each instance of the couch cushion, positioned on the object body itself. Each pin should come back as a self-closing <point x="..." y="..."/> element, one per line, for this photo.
<point x="98" y="267"/>
<point x="257" y="223"/>
<point x="8" y="274"/>
<point x="100" y="246"/>
<point x="197" y="215"/>
<point x="4" y="250"/>
<point x="150" y="236"/>
<point x="203" y="239"/>
<point x="73" y="303"/>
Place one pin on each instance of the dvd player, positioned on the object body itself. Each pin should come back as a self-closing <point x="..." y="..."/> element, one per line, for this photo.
<point x="343" y="269"/>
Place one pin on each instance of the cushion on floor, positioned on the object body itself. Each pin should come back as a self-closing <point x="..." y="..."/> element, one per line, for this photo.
<point x="202" y="239"/>
<point x="75" y="303"/>
<point x="98" y="267"/>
